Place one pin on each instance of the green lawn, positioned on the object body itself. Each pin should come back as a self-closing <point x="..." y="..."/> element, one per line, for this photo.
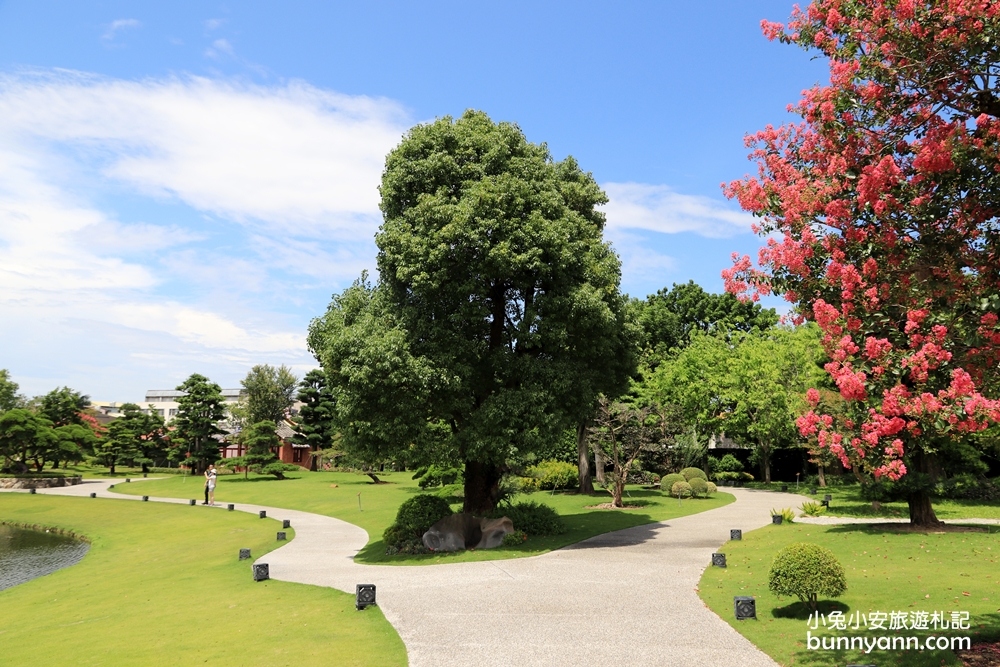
<point x="337" y="494"/>
<point x="162" y="585"/>
<point x="886" y="571"/>
<point x="847" y="501"/>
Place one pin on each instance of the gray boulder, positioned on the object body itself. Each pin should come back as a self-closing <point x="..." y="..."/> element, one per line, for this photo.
<point x="465" y="531"/>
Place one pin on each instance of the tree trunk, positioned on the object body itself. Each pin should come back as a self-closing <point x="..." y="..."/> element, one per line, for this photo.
<point x="583" y="458"/>
<point x="616" y="497"/>
<point x="921" y="511"/>
<point x="112" y="468"/>
<point x="375" y="479"/>
<point x="765" y="463"/>
<point x="598" y="464"/>
<point x="482" y="487"/>
<point x="822" y="475"/>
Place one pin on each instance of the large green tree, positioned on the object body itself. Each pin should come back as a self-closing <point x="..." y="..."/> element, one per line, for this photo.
<point x="135" y="436"/>
<point x="63" y="406"/>
<point x="497" y="319"/>
<point x="260" y="441"/>
<point x="268" y="393"/>
<point x="196" y="426"/>
<point x="25" y="437"/>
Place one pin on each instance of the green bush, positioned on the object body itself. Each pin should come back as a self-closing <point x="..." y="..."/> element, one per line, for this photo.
<point x="734" y="477"/>
<point x="812" y="508"/>
<point x="969" y="487"/>
<point x="699" y="487"/>
<point x="514" y="539"/>
<point x="413" y="519"/>
<point x="680" y="490"/>
<point x="711" y="488"/>
<point x="730" y="463"/>
<point x="532" y="518"/>
<point x="787" y="515"/>
<point x="554" y="475"/>
<point x="438" y="476"/>
<point x="691" y="473"/>
<point x="451" y="492"/>
<point x="807" y="571"/>
<point x="667" y="481"/>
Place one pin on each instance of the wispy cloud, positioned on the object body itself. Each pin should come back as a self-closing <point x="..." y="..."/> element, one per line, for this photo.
<point x="181" y="218"/>
<point x="659" y="208"/>
<point x="214" y="24"/>
<point x="117" y="26"/>
<point x="219" y="47"/>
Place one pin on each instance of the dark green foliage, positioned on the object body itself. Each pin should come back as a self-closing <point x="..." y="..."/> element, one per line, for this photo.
<point x="807" y="571"/>
<point x="554" y="475"/>
<point x="134" y="437"/>
<point x="517" y="538"/>
<point x="25" y="438"/>
<point x="680" y="489"/>
<point x="733" y="477"/>
<point x="667" y="481"/>
<point x="532" y="518"/>
<point x="9" y="398"/>
<point x="315" y="425"/>
<point x="197" y="423"/>
<point x="969" y="487"/>
<point x="260" y="440"/>
<point x="414" y="517"/>
<point x="691" y="473"/>
<point x="268" y="392"/>
<point x="438" y="476"/>
<point x="699" y="487"/>
<point x="63" y="406"/>
<point x="729" y="463"/>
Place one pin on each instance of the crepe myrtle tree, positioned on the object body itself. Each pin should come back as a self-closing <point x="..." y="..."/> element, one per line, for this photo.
<point x="881" y="211"/>
<point x="497" y="318"/>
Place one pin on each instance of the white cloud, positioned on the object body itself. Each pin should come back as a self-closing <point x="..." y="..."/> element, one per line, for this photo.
<point x="115" y="26"/>
<point x="213" y="24"/>
<point x="658" y="208"/>
<point x="219" y="46"/>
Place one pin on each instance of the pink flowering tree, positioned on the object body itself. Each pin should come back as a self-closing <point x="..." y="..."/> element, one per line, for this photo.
<point x="880" y="208"/>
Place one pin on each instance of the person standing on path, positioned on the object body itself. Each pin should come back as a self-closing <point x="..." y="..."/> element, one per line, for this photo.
<point x="206" y="486"/>
<point x="211" y="475"/>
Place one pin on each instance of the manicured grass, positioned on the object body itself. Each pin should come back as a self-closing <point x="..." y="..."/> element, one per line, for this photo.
<point x="162" y="585"/>
<point x="847" y="501"/>
<point x="336" y="494"/>
<point x="886" y="571"/>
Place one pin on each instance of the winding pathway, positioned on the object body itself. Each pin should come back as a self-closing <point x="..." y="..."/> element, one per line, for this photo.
<point x="627" y="597"/>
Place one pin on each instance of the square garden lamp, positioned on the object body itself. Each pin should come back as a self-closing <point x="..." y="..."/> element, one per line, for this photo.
<point x="244" y="554"/>
<point x="230" y="507"/>
<point x="736" y="534"/>
<point x="719" y="560"/>
<point x="745" y="607"/>
<point x="261" y="572"/>
<point x="93" y="495"/>
<point x="286" y="523"/>
<point x="192" y="502"/>
<point x="145" y="499"/>
<point x="281" y="535"/>
<point x="263" y="514"/>
<point x="365" y="596"/>
<point x="776" y="519"/>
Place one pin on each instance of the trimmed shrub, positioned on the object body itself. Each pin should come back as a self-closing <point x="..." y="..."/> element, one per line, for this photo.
<point x="413" y="519"/>
<point x="711" y="488"/>
<point x="554" y="475"/>
<point x="667" y="481"/>
<point x="438" y="476"/>
<point x="680" y="490"/>
<point x="812" y="509"/>
<point x="807" y="571"/>
<point x="691" y="473"/>
<point x="729" y="463"/>
<point x="787" y="515"/>
<point x="514" y="539"/>
<point x="733" y="477"/>
<point x="532" y="518"/>
<point x="699" y="487"/>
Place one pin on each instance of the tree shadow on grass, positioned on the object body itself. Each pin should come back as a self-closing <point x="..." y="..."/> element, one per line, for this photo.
<point x="802" y="611"/>
<point x="244" y="480"/>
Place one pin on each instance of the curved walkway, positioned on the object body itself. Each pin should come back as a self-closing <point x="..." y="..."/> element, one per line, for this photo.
<point x="627" y="597"/>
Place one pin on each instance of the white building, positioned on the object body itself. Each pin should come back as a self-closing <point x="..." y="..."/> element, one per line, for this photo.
<point x="164" y="401"/>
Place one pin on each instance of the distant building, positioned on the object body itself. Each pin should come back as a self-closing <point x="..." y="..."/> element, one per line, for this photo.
<point x="164" y="401"/>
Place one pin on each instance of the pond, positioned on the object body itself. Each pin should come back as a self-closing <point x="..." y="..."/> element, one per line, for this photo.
<point x="27" y="554"/>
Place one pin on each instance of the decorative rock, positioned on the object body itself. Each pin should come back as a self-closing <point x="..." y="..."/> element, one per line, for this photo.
<point x="736" y="534"/>
<point x="364" y="596"/>
<point x="281" y="535"/>
<point x="776" y="519"/>
<point x="230" y="507"/>
<point x="263" y="514"/>
<point x="286" y="523"/>
<point x="465" y="531"/>
<point x="38" y="482"/>
<point x="244" y="554"/>
<point x="745" y="607"/>
<point x="719" y="560"/>
<point x="261" y="572"/>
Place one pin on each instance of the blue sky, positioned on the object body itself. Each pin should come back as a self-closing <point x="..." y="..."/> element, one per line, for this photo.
<point x="183" y="185"/>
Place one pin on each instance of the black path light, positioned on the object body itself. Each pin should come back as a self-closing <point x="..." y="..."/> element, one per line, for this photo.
<point x="825" y="503"/>
<point x="784" y="487"/>
<point x="145" y="499"/>
<point x="263" y="514"/>
<point x="286" y="523"/>
<point x="745" y="607"/>
<point x="719" y="560"/>
<point x="365" y="596"/>
<point x="812" y="490"/>
<point x="244" y="554"/>
<point x="230" y="507"/>
<point x="828" y="497"/>
<point x="127" y="480"/>
<point x="736" y="534"/>
<point x="192" y="502"/>
<point x="32" y="491"/>
<point x="282" y="535"/>
<point x="776" y="519"/>
<point x="93" y="495"/>
<point x="261" y="572"/>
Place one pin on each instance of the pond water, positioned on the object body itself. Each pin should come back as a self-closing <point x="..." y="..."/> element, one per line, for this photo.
<point x="27" y="554"/>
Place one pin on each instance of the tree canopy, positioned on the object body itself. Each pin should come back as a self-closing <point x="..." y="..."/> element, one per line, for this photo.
<point x="497" y="318"/>
<point x="268" y="393"/>
<point x="196" y="425"/>
<point x="882" y="209"/>
<point x="9" y="398"/>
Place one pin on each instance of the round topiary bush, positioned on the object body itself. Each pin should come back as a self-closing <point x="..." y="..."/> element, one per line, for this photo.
<point x="711" y="487"/>
<point x="667" y="481"/>
<point x="807" y="571"/>
<point x="680" y="489"/>
<point x="413" y="519"/>
<point x="699" y="487"/>
<point x="691" y="473"/>
<point x="532" y="518"/>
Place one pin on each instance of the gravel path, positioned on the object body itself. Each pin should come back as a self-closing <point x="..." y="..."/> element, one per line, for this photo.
<point x="626" y="597"/>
